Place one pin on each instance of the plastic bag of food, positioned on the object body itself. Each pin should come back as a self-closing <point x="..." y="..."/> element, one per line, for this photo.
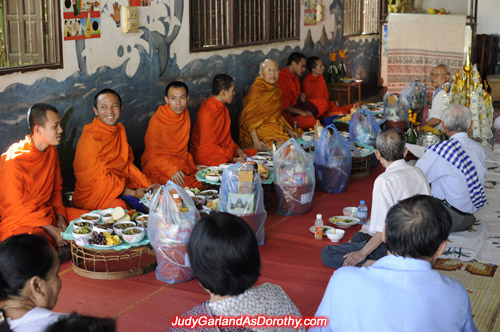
<point x="294" y="179"/>
<point x="333" y="160"/>
<point x="241" y="194"/>
<point x="363" y="128"/>
<point x="171" y="220"/>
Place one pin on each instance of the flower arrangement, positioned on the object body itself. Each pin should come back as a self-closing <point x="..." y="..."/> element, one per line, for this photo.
<point x="411" y="133"/>
<point x="341" y="67"/>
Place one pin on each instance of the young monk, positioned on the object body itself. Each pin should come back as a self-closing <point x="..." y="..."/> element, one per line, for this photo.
<point x="166" y="156"/>
<point x="104" y="162"/>
<point x="261" y="121"/>
<point x="211" y="141"/>
<point x="30" y="195"/>
<point x="314" y="87"/>
<point x="294" y="105"/>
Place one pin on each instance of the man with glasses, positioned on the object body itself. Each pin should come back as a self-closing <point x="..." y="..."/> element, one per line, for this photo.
<point x="440" y="76"/>
<point x="104" y="162"/>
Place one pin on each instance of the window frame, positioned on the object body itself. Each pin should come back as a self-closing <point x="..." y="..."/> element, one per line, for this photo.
<point x="232" y="21"/>
<point x="361" y="17"/>
<point x="57" y="44"/>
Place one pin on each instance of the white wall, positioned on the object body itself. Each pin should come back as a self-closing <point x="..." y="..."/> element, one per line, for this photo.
<point x="488" y="17"/>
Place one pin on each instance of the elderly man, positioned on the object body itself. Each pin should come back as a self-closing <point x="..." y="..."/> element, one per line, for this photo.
<point x="401" y="292"/>
<point x="440" y="75"/>
<point x="104" y="162"/>
<point x="294" y="106"/>
<point x="166" y="156"/>
<point x="30" y="195"/>
<point x="211" y="141"/>
<point x="456" y="168"/>
<point x="399" y="181"/>
<point x="261" y="121"/>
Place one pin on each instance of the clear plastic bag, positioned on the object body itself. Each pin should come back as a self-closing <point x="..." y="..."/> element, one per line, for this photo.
<point x="169" y="229"/>
<point x="294" y="179"/>
<point x="241" y="194"/>
<point x="363" y="128"/>
<point x="333" y="161"/>
<point x="412" y="97"/>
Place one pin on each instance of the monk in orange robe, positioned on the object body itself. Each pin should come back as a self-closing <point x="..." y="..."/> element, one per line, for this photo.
<point x="296" y="109"/>
<point x="30" y="195"/>
<point x="261" y="121"/>
<point x="211" y="141"/>
<point x="166" y="156"/>
<point x="104" y="162"/>
<point x="314" y="87"/>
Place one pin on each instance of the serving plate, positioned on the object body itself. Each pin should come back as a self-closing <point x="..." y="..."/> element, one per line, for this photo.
<point x="344" y="221"/>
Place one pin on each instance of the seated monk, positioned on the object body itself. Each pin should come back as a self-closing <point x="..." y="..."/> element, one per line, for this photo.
<point x="314" y="87"/>
<point x="30" y="196"/>
<point x="261" y="122"/>
<point x="166" y="156"/>
<point x="211" y="141"/>
<point x="104" y="162"/>
<point x="296" y="109"/>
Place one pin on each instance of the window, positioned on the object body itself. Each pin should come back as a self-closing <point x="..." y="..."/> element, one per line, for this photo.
<point x="29" y="35"/>
<point x="217" y="24"/>
<point x="361" y="17"/>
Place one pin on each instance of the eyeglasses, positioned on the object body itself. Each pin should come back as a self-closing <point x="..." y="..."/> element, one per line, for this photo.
<point x="434" y="74"/>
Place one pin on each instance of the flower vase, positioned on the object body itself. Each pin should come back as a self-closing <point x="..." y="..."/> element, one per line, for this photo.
<point x="342" y="70"/>
<point x="333" y="74"/>
<point x="411" y="135"/>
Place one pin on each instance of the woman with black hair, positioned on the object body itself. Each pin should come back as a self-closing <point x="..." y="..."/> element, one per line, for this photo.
<point x="29" y="283"/>
<point x="224" y="256"/>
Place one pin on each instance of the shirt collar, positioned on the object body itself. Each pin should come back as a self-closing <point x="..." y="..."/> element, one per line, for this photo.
<point x="396" y="164"/>
<point x="393" y="262"/>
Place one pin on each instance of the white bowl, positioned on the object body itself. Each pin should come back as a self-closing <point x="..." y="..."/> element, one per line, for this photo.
<point x="119" y="226"/>
<point x="226" y="165"/>
<point x="344" y="221"/>
<point x="210" y="194"/>
<point x="212" y="177"/>
<point x="80" y="223"/>
<point x="133" y="238"/>
<point x="259" y="159"/>
<point x="264" y="154"/>
<point x="308" y="136"/>
<point x="335" y="235"/>
<point x="82" y="239"/>
<point x="106" y="215"/>
<point x="142" y="220"/>
<point x="94" y="217"/>
<point x="199" y="201"/>
<point x="350" y="211"/>
<point x="99" y="228"/>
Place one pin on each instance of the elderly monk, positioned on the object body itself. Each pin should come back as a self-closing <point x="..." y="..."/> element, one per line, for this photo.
<point x="211" y="141"/>
<point x="440" y="77"/>
<point x="261" y="121"/>
<point x="314" y="87"/>
<point x="104" y="162"/>
<point x="166" y="156"/>
<point x="30" y="195"/>
<point x="296" y="109"/>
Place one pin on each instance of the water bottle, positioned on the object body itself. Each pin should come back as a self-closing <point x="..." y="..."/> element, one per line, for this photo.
<point x="362" y="213"/>
<point x="318" y="227"/>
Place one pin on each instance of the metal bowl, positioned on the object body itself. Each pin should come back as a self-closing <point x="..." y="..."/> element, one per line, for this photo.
<point x="427" y="139"/>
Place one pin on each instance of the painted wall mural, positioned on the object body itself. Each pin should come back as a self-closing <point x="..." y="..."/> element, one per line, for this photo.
<point x="139" y="66"/>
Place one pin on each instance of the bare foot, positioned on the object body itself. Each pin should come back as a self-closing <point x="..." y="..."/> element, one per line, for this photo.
<point x="55" y="234"/>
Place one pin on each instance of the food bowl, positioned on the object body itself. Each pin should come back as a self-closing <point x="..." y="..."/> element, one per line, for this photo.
<point x="106" y="215"/>
<point x="210" y="194"/>
<point x="308" y="136"/>
<point x="259" y="159"/>
<point x="94" y="217"/>
<point x="214" y="177"/>
<point x="82" y="235"/>
<point x="199" y="201"/>
<point x="226" y="165"/>
<point x="136" y="234"/>
<point x="82" y="223"/>
<point x="119" y="226"/>
<point x="99" y="228"/>
<point x="344" y="221"/>
<point x="142" y="220"/>
<point x="350" y="211"/>
<point x="335" y="235"/>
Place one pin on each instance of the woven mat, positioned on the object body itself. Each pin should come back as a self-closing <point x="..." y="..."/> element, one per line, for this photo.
<point x="481" y="242"/>
<point x="482" y="282"/>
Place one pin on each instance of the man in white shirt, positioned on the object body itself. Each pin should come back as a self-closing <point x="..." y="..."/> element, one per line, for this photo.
<point x="401" y="292"/>
<point x="399" y="181"/>
<point x="456" y="168"/>
<point x="440" y="76"/>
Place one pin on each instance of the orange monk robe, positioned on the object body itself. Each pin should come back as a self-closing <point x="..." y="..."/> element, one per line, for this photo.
<point x="262" y="112"/>
<point x="104" y="166"/>
<point x="166" y="150"/>
<point x="211" y="141"/>
<point x="316" y="92"/>
<point x="30" y="195"/>
<point x="290" y="90"/>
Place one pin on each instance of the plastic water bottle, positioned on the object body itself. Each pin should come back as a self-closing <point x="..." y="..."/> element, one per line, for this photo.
<point x="318" y="227"/>
<point x="362" y="213"/>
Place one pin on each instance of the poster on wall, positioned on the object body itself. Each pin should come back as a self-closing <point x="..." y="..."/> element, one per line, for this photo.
<point x="310" y="12"/>
<point x="139" y="3"/>
<point x="82" y="19"/>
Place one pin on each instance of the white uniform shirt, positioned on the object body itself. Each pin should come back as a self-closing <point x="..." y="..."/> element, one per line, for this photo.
<point x="437" y="106"/>
<point x="399" y="181"/>
<point x="447" y="181"/>
<point x="35" y="320"/>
